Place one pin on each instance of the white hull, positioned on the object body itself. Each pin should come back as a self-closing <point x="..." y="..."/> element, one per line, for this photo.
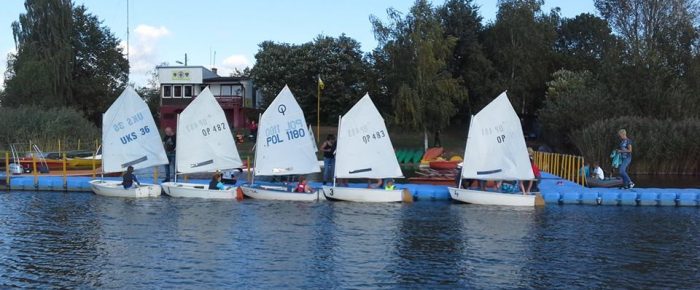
<point x="491" y="198"/>
<point x="115" y="189"/>
<point x="273" y="194"/>
<point x="195" y="190"/>
<point x="366" y="194"/>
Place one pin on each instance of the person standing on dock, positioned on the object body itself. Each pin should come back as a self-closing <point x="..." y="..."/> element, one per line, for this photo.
<point x="625" y="151"/>
<point x="328" y="148"/>
<point x="169" y="142"/>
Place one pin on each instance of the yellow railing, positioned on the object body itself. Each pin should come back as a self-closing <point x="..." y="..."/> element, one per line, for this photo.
<point x="562" y="165"/>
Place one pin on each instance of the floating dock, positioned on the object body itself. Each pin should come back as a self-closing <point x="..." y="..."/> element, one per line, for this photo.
<point x="555" y="190"/>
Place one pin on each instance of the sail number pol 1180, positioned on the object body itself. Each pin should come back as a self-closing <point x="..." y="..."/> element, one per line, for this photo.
<point x="295" y="130"/>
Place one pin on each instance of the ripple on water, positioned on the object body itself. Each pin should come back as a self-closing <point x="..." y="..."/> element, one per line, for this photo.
<point x="79" y="239"/>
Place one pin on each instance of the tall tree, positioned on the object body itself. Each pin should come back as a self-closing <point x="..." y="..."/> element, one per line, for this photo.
<point x="520" y="43"/>
<point x="413" y="53"/>
<point x="42" y="68"/>
<point x="461" y="20"/>
<point x="338" y="61"/>
<point x="585" y="42"/>
<point x="65" y="57"/>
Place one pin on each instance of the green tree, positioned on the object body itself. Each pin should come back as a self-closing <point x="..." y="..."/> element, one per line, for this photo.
<point x="338" y="61"/>
<point x="585" y="42"/>
<point x="460" y="19"/>
<point x="40" y="73"/>
<point x="413" y="54"/>
<point x="520" y="44"/>
<point x="64" y="58"/>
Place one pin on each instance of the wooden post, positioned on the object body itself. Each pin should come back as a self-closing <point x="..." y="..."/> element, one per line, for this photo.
<point x="7" y="168"/>
<point x="94" y="161"/>
<point x="248" y="167"/>
<point x="155" y="174"/>
<point x="78" y="144"/>
<point x="59" y="145"/>
<point x="36" y="174"/>
<point x="65" y="175"/>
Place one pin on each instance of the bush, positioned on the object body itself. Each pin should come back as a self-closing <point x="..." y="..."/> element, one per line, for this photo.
<point x="45" y="126"/>
<point x="660" y="146"/>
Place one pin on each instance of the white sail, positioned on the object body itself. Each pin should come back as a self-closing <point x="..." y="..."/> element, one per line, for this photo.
<point x="364" y="149"/>
<point x="284" y="145"/>
<point x="204" y="139"/>
<point x="313" y="138"/>
<point x="496" y="147"/>
<point x="130" y="136"/>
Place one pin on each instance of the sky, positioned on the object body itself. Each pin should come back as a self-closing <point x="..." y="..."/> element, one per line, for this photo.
<point x="164" y="31"/>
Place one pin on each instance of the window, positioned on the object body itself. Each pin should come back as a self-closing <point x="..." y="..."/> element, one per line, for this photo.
<point x="178" y="91"/>
<point x="231" y="90"/>
<point x="167" y="92"/>
<point x="225" y="90"/>
<point x="188" y="91"/>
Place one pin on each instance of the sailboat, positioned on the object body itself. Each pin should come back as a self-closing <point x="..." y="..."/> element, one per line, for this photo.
<point x="496" y="151"/>
<point x="205" y="144"/>
<point x="364" y="150"/>
<point x="129" y="138"/>
<point x="285" y="147"/>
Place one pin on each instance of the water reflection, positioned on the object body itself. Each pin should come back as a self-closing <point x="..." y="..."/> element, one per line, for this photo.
<point x="82" y="240"/>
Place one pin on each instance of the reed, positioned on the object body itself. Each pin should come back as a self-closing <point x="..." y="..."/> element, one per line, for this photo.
<point x="45" y="127"/>
<point x="660" y="146"/>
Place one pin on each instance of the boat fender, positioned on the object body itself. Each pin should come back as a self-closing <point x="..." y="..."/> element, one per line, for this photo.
<point x="239" y="194"/>
<point x="406" y="196"/>
<point x="539" y="201"/>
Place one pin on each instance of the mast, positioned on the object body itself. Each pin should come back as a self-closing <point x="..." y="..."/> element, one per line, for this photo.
<point x="255" y="157"/>
<point x="127" y="42"/>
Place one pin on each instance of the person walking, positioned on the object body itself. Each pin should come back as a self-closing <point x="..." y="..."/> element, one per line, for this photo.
<point x="328" y="148"/>
<point x="625" y="151"/>
<point x="169" y="142"/>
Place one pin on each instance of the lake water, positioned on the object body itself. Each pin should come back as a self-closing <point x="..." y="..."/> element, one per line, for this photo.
<point x="82" y="240"/>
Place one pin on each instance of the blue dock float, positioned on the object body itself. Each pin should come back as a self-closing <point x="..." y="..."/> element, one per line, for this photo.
<point x="555" y="190"/>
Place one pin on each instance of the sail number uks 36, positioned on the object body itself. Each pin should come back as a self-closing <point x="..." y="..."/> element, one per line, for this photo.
<point x="295" y="130"/>
<point x="127" y="124"/>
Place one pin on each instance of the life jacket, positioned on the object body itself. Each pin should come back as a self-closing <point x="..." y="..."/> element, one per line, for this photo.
<point x="300" y="188"/>
<point x="390" y="187"/>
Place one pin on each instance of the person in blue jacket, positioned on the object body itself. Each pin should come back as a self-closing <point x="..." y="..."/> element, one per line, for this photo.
<point x="625" y="151"/>
<point x="215" y="183"/>
<point x="129" y="178"/>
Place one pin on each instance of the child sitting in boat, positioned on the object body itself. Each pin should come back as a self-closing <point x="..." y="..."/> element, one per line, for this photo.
<point x="389" y="185"/>
<point x="129" y="178"/>
<point x="377" y="183"/>
<point x="303" y="186"/>
<point x="597" y="172"/>
<point x="215" y="183"/>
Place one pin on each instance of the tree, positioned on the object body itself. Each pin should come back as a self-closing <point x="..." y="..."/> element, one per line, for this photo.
<point x="64" y="58"/>
<point x="42" y="68"/>
<point x="100" y="69"/>
<point x="585" y="42"/>
<point x="413" y="53"/>
<point x="460" y="19"/>
<point x="338" y="61"/>
<point x="520" y="43"/>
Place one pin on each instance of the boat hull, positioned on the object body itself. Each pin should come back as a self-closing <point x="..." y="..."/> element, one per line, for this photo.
<point x="194" y="190"/>
<point x="276" y="194"/>
<point x="491" y="198"/>
<point x="115" y="189"/>
<point x="366" y="194"/>
<point x="608" y="182"/>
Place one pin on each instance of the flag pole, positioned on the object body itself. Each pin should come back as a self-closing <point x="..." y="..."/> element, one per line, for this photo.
<point x="318" y="107"/>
